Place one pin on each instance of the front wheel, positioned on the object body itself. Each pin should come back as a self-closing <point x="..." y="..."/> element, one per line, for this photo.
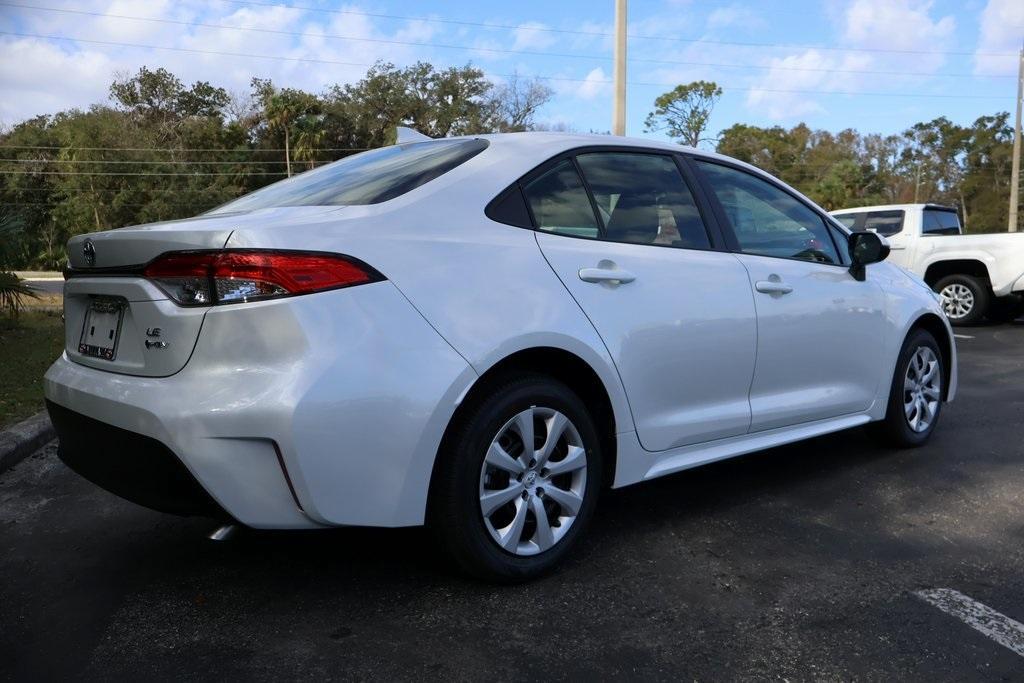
<point x="915" y="397"/>
<point x="518" y="481"/>
<point x="965" y="299"/>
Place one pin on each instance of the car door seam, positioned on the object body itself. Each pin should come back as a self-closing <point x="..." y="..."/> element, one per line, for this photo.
<point x="615" y="365"/>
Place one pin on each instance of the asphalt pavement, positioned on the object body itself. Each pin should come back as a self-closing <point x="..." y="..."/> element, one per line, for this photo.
<point x="49" y="286"/>
<point x="803" y="562"/>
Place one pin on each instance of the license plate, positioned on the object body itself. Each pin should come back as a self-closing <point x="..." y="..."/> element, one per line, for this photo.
<point x="102" y="328"/>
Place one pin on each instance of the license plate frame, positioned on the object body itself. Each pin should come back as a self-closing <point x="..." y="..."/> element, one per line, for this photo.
<point x="101" y="329"/>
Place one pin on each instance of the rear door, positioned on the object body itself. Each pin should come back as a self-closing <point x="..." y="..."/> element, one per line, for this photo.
<point x="816" y="324"/>
<point x="676" y="315"/>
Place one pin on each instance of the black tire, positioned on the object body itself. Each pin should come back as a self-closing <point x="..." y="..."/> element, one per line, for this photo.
<point x="895" y="429"/>
<point x="456" y="517"/>
<point x="1006" y="308"/>
<point x="981" y="298"/>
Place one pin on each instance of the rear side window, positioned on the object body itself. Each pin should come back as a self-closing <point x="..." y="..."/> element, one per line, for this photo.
<point x="939" y="222"/>
<point x="884" y="222"/>
<point x="560" y="204"/>
<point x="768" y="221"/>
<point x="367" y="178"/>
<point x="643" y="199"/>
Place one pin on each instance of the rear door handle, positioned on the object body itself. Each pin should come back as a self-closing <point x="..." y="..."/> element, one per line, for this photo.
<point x="606" y="275"/>
<point x="772" y="287"/>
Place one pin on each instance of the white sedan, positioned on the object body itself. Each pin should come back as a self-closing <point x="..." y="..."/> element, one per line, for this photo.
<point x="480" y="334"/>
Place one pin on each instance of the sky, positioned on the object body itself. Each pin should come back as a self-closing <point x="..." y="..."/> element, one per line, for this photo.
<point x="874" y="65"/>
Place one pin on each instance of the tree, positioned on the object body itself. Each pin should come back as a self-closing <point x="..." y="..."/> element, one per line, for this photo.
<point x="285" y="108"/>
<point x="684" y="111"/>
<point x="511" y="106"/>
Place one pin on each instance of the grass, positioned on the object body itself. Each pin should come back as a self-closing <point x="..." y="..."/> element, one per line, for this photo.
<point x="29" y="346"/>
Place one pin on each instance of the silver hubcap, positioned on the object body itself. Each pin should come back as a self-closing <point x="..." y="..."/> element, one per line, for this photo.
<point x="957" y="300"/>
<point x="532" y="481"/>
<point x="922" y="389"/>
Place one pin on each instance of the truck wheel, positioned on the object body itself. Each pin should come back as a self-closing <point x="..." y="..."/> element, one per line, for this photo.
<point x="965" y="299"/>
<point x="1006" y="309"/>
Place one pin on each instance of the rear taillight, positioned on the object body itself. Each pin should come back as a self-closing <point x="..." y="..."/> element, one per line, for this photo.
<point x="204" y="278"/>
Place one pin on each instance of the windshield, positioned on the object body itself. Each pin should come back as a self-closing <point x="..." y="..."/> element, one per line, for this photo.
<point x="366" y="178"/>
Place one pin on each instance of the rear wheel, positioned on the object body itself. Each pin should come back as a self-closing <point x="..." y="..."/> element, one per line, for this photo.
<point x="965" y="299"/>
<point x="1006" y="309"/>
<point x="518" y="481"/>
<point x="915" y="397"/>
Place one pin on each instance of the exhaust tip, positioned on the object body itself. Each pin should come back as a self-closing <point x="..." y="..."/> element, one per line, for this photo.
<point x="223" y="533"/>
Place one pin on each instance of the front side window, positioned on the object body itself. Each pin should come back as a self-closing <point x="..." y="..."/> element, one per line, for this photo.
<point x="768" y="221"/>
<point x="939" y="222"/>
<point x="643" y="199"/>
<point x="884" y="222"/>
<point x="367" y="178"/>
<point x="560" y="204"/>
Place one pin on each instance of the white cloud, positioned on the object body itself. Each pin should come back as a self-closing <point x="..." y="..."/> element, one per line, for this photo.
<point x="899" y="25"/>
<point x="528" y="37"/>
<point x="594" y="85"/>
<point x="1002" y="29"/>
<point x="30" y="70"/>
<point x="868" y="28"/>
<point x="45" y="76"/>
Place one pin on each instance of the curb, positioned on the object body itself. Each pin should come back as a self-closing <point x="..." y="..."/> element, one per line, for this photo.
<point x="21" y="440"/>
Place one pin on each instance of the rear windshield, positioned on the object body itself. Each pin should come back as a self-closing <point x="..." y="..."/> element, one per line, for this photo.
<point x="939" y="222"/>
<point x="367" y="178"/>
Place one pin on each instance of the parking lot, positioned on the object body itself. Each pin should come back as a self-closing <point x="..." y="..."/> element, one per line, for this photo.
<point x="798" y="563"/>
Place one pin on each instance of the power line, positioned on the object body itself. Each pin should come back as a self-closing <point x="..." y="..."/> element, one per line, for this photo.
<point x="179" y="149"/>
<point x="222" y="150"/>
<point x="493" y="50"/>
<point x="55" y="204"/>
<point x="159" y="162"/>
<point x="540" y="29"/>
<point x="546" y="78"/>
<point x="153" y="174"/>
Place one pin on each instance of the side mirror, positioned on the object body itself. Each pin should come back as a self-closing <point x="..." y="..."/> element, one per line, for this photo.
<point x="866" y="248"/>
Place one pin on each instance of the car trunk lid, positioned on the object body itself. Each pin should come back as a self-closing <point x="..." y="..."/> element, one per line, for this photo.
<point x="118" y="321"/>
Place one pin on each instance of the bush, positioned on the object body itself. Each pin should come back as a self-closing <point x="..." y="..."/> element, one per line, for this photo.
<point x="13" y="292"/>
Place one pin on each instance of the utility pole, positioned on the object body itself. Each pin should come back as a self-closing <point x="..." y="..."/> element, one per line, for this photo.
<point x="619" y="107"/>
<point x="1015" y="174"/>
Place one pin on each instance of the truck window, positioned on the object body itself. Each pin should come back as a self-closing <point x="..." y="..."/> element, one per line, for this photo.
<point x="847" y="219"/>
<point x="884" y="222"/>
<point x="940" y="222"/>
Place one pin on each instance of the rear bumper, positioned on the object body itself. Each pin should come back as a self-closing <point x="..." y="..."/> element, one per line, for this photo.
<point x="303" y="412"/>
<point x="135" y="467"/>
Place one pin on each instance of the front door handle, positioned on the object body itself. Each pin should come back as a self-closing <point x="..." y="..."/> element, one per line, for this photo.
<point x="772" y="287"/>
<point x="606" y="275"/>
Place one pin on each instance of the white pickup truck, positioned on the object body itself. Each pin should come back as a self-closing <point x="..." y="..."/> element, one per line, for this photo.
<point x="975" y="275"/>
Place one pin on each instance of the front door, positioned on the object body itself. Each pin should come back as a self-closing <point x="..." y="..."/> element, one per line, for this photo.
<point x="816" y="324"/>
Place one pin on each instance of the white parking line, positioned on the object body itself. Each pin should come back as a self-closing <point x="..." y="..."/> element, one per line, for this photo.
<point x="999" y="627"/>
<point x="963" y="336"/>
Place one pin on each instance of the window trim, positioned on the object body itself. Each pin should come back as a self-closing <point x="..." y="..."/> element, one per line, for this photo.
<point x="715" y="235"/>
<point x="727" y="228"/>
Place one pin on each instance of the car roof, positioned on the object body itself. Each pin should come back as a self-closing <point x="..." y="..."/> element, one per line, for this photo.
<point x="556" y="142"/>
<point x="892" y="207"/>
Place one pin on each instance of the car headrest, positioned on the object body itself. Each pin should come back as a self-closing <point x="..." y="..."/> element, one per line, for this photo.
<point x="634" y="219"/>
